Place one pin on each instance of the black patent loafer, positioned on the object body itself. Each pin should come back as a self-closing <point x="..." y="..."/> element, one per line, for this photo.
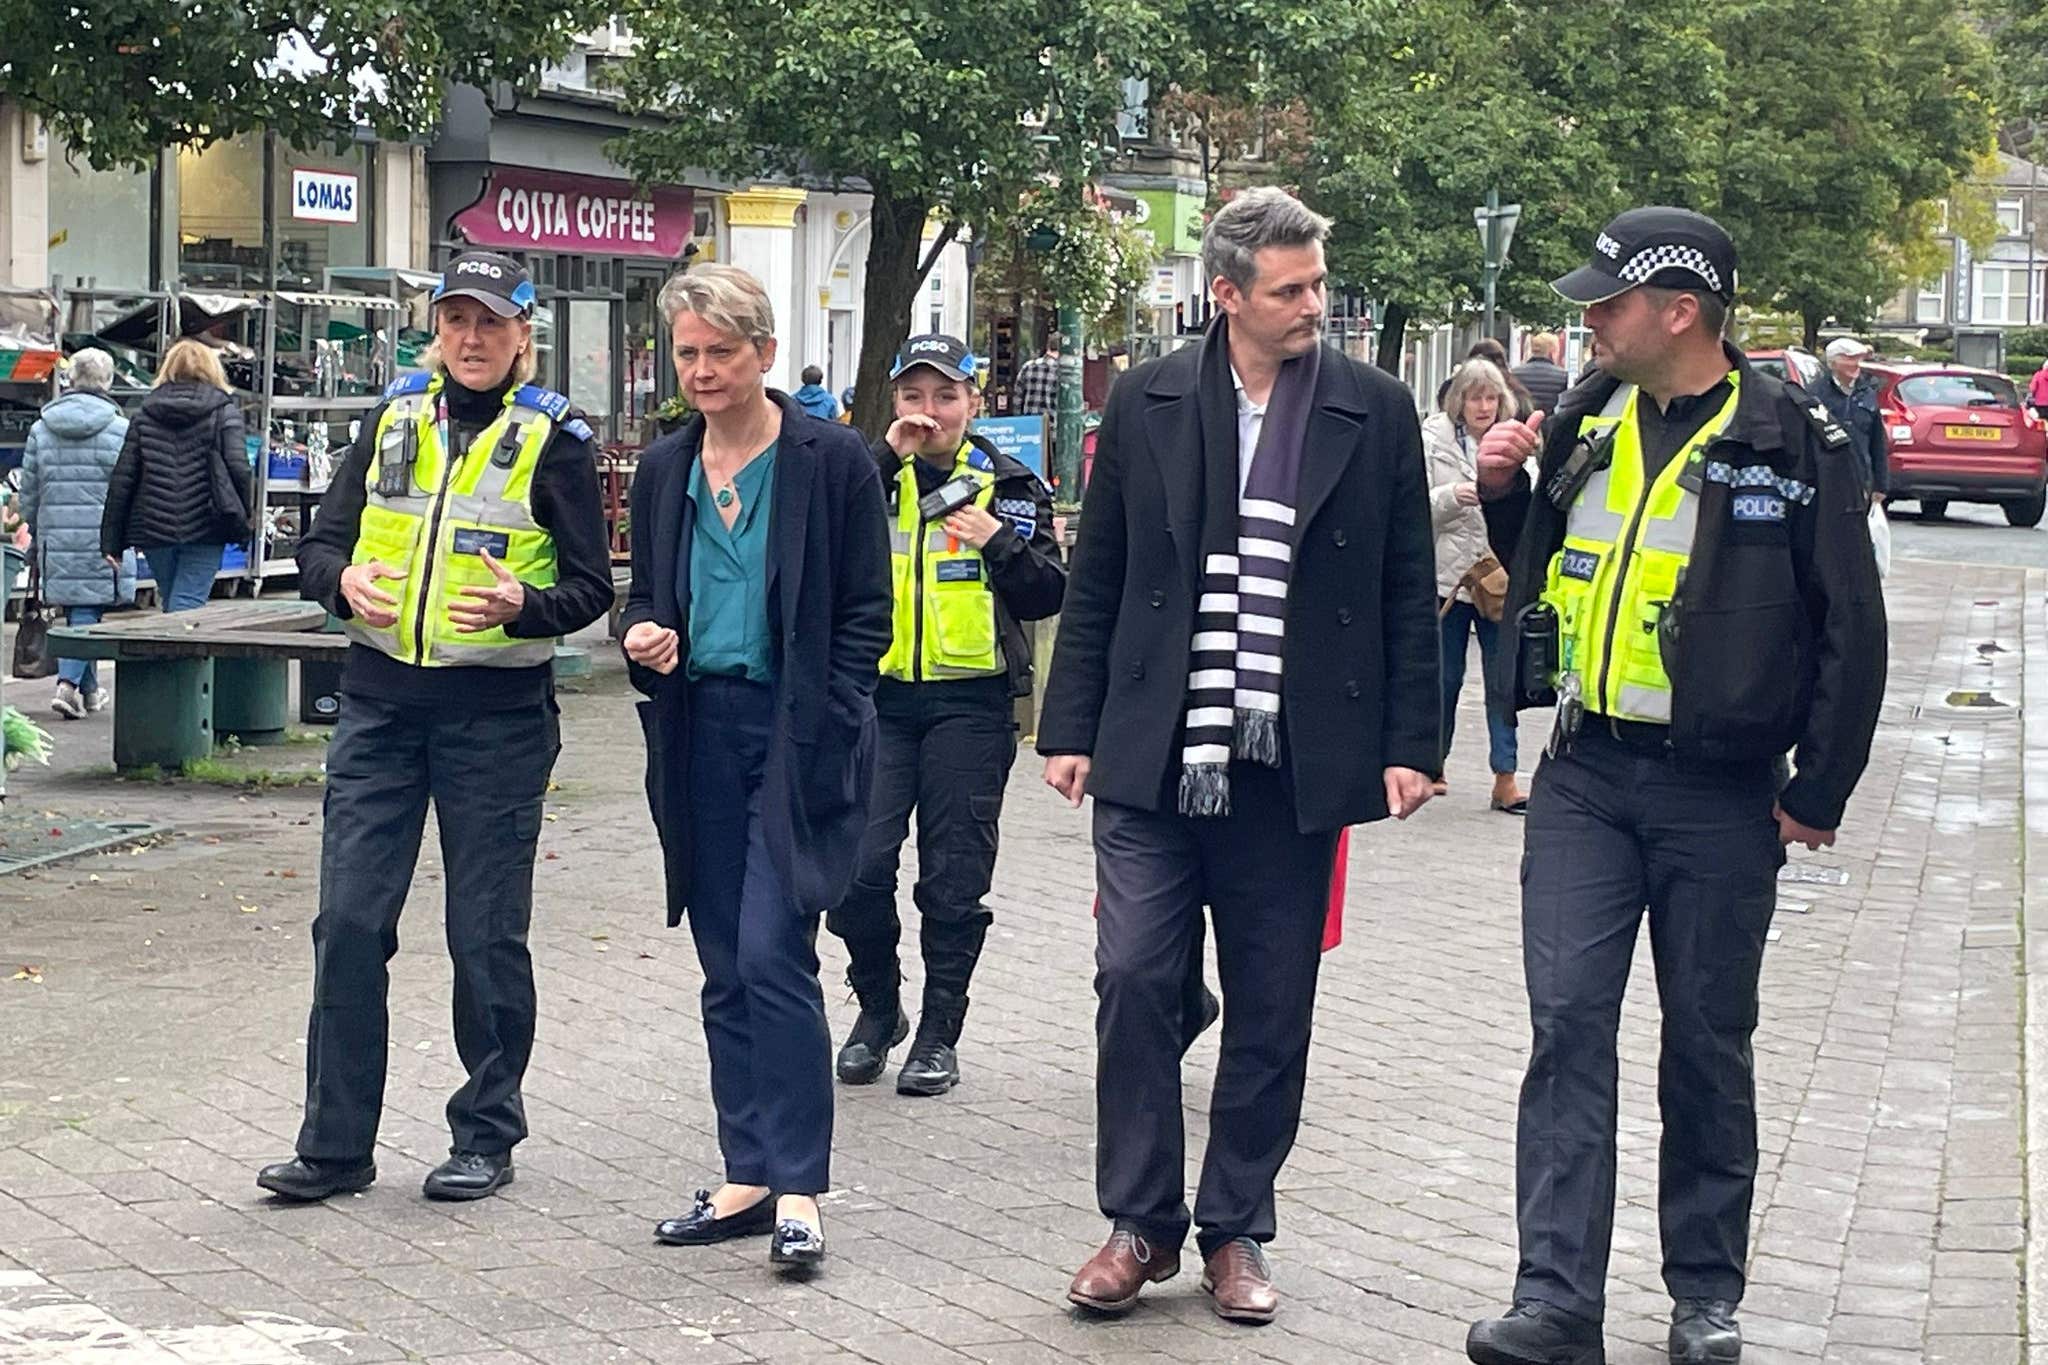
<point x="305" y="1180"/>
<point x="469" y="1175"/>
<point x="796" y="1243"/>
<point x="1704" y="1332"/>
<point x="702" y="1227"/>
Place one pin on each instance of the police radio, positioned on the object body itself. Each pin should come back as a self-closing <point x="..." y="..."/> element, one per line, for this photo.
<point x="948" y="498"/>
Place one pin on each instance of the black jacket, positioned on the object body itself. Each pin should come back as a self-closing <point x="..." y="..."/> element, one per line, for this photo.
<point x="182" y="475"/>
<point x="828" y="608"/>
<point x="1024" y="564"/>
<point x="1857" y="413"/>
<point x="1780" y="640"/>
<point x="566" y="500"/>
<point x="1543" y="380"/>
<point x="1361" y="690"/>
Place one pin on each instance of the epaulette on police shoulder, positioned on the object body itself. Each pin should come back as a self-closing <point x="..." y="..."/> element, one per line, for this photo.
<point x="576" y="426"/>
<point x="1831" y="433"/>
<point x="555" y="405"/>
<point x="980" y="460"/>
<point x="416" y="382"/>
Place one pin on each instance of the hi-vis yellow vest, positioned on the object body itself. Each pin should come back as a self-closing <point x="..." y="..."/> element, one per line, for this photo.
<point x="945" y="608"/>
<point x="1626" y="547"/>
<point x="433" y="519"/>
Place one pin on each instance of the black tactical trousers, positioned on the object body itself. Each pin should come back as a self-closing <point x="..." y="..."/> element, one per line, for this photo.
<point x="487" y="775"/>
<point x="1614" y="830"/>
<point x="945" y="750"/>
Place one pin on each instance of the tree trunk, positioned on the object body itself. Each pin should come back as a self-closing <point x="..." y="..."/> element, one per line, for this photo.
<point x="1811" y="322"/>
<point x="895" y="237"/>
<point x="1393" y="336"/>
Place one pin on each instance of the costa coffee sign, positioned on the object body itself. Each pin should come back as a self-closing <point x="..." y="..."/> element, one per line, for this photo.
<point x="523" y="210"/>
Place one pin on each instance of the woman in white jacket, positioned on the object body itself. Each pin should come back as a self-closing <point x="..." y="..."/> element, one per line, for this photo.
<point x="1478" y="397"/>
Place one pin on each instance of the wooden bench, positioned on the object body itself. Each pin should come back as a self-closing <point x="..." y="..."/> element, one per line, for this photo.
<point x="191" y="677"/>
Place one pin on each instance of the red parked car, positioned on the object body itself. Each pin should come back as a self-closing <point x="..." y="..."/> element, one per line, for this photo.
<point x="1959" y="434"/>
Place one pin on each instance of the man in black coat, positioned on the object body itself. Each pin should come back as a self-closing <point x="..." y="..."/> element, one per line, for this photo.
<point x="1540" y="376"/>
<point x="1851" y="399"/>
<point x="1247" y="663"/>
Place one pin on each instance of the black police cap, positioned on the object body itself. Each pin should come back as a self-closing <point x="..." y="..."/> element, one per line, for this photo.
<point x="1667" y="248"/>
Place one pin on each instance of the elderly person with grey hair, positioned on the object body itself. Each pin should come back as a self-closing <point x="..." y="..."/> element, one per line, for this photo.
<point x="72" y="450"/>
<point x="1470" y="578"/>
<point x="756" y="622"/>
<point x="1247" y="664"/>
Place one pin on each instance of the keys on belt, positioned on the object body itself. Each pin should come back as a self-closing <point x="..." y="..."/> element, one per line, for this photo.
<point x="1570" y="715"/>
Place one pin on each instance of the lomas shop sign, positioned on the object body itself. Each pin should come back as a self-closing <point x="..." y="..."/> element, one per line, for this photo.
<point x="525" y="210"/>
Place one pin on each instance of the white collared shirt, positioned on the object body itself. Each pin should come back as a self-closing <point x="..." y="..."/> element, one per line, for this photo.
<point x="1251" y="420"/>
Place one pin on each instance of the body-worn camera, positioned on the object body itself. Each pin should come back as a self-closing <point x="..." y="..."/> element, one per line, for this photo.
<point x="948" y="498"/>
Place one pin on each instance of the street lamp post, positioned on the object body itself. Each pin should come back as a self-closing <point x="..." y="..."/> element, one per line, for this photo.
<point x="1067" y="439"/>
<point x="1496" y="222"/>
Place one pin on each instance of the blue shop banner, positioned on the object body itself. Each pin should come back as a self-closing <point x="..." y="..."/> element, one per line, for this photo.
<point x="1021" y="438"/>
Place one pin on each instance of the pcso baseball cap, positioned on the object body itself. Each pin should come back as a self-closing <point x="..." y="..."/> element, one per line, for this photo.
<point x="948" y="355"/>
<point x="1842" y="347"/>
<point x="498" y="282"/>
<point x="1666" y="248"/>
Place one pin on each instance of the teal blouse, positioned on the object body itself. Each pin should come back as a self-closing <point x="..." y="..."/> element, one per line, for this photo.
<point x="729" y="634"/>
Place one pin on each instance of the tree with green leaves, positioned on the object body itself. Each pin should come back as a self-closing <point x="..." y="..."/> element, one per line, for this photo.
<point x="923" y="104"/>
<point x="119" y="80"/>
<point x="2019" y="36"/>
<point x="939" y="111"/>
<point x="1574" y="111"/>
<point x="1832" y="196"/>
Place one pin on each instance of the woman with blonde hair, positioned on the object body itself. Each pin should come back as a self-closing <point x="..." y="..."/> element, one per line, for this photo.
<point x="1479" y="396"/>
<point x="755" y="627"/>
<point x="181" y="491"/>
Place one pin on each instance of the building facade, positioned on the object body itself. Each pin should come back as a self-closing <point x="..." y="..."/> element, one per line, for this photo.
<point x="2002" y="287"/>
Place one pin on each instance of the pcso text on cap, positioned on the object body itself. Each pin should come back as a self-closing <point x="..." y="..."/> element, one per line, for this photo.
<point x="498" y="282"/>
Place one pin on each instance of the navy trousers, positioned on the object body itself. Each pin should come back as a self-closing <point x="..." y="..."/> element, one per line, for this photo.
<point x="1614" y="832"/>
<point x="764" y="1012"/>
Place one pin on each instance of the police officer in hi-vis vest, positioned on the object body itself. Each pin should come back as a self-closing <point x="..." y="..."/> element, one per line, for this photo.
<point x="1694" y="592"/>
<point x="973" y="557"/>
<point x="462" y="534"/>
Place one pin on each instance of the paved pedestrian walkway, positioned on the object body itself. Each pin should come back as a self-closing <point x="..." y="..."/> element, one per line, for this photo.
<point x="158" y="1061"/>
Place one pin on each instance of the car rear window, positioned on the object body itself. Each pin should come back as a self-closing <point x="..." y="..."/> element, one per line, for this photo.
<point x="1959" y="391"/>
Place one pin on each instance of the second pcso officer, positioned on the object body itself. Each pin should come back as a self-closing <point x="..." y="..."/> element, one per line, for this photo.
<point x="972" y="557"/>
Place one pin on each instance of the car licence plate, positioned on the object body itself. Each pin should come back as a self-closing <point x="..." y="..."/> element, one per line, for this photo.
<point x="1972" y="433"/>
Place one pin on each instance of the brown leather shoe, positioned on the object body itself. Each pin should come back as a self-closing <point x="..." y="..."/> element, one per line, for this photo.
<point x="1113" y="1277"/>
<point x="1236" y="1277"/>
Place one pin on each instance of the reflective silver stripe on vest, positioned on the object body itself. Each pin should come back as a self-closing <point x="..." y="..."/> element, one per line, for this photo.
<point x="899" y="540"/>
<point x="406" y="506"/>
<point x="511" y="516"/>
<point x="382" y="640"/>
<point x="1673" y="536"/>
<point x="1644" y="703"/>
<point x="521" y="654"/>
<point x="1590" y="518"/>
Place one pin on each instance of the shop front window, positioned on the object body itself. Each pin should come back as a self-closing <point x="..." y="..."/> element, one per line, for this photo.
<point x="318" y="212"/>
<point x="590" y="360"/>
<point x="544" y="344"/>
<point x="99" y="226"/>
<point x="644" y="349"/>
<point x="322" y="214"/>
<point x="220" y="214"/>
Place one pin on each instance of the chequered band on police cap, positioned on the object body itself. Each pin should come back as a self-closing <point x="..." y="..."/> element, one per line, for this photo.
<point x="1652" y="259"/>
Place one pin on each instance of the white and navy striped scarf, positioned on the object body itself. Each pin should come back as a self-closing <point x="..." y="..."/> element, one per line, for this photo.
<point x="1247" y="541"/>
